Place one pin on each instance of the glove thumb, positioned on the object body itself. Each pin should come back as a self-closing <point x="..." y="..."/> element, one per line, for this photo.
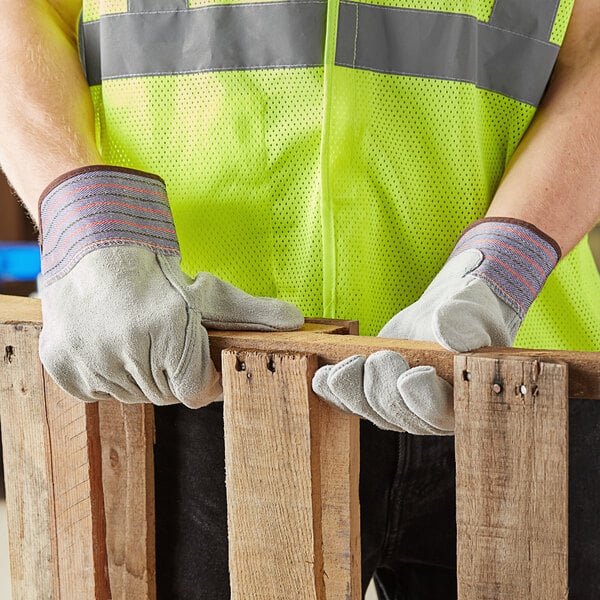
<point x="224" y="306"/>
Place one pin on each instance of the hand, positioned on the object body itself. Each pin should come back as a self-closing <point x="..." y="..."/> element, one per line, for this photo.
<point x="121" y="319"/>
<point x="479" y="298"/>
<point x="384" y="390"/>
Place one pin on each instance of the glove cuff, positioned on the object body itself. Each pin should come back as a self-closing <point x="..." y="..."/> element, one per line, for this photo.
<point x="517" y="258"/>
<point x="101" y="206"/>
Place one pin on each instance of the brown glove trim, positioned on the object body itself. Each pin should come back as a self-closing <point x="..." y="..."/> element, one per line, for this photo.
<point x="90" y="168"/>
<point x="525" y="224"/>
<point x="99" y="208"/>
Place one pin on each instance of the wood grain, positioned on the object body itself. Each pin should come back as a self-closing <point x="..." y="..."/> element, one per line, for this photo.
<point x="127" y="434"/>
<point x="511" y="457"/>
<point x="28" y="467"/>
<point x="78" y="502"/>
<point x="339" y="450"/>
<point x="584" y="367"/>
<point x="274" y="511"/>
<point x="20" y="311"/>
<point x="511" y="462"/>
<point x="52" y="469"/>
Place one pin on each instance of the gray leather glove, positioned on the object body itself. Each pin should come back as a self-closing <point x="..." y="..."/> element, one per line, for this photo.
<point x="120" y="318"/>
<point x="479" y="298"/>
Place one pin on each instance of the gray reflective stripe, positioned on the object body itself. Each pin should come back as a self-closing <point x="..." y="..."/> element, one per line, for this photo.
<point x="389" y="40"/>
<point x="443" y="46"/>
<point x="152" y="5"/>
<point x="211" y="38"/>
<point x="533" y="18"/>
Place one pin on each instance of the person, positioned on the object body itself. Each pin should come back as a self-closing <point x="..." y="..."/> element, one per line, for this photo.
<point x="218" y="165"/>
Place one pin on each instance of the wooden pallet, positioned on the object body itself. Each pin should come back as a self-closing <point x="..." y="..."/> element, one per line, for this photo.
<point x="80" y="495"/>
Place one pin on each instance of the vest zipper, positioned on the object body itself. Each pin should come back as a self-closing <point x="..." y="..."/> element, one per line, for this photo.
<point x="327" y="219"/>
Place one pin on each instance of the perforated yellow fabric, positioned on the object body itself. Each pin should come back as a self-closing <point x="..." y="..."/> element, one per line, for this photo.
<point x="93" y="9"/>
<point x="411" y="176"/>
<point x="480" y="9"/>
<point x="341" y="190"/>
<point x="567" y="312"/>
<point x="244" y="178"/>
<point x="562" y="20"/>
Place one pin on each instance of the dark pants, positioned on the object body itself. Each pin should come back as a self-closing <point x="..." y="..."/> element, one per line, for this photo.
<point x="407" y="508"/>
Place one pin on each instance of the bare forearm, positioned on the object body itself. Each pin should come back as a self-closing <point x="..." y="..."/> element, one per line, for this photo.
<point x="45" y="106"/>
<point x="554" y="180"/>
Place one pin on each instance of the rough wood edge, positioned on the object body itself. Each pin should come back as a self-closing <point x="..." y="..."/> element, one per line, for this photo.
<point x="78" y="501"/>
<point x="63" y="470"/>
<point x="339" y="450"/>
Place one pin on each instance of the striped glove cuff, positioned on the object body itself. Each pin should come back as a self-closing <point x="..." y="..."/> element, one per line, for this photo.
<point x="518" y="258"/>
<point x="100" y="206"/>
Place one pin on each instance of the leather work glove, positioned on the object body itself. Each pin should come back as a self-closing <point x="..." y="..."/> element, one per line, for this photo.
<point x="120" y="318"/>
<point x="479" y="298"/>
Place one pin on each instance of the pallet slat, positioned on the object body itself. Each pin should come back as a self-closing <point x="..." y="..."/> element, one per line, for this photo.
<point x="511" y="466"/>
<point x="511" y="463"/>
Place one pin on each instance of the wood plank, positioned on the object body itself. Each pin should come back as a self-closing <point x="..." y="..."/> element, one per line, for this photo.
<point x="27" y="464"/>
<point x="584" y="367"/>
<point x="330" y="349"/>
<point x="511" y="463"/>
<point x="79" y="506"/>
<point x="54" y="500"/>
<point x="340" y="509"/>
<point x="127" y="435"/>
<point x="341" y="326"/>
<point x="20" y="310"/>
<point x="274" y="511"/>
<point x="316" y="338"/>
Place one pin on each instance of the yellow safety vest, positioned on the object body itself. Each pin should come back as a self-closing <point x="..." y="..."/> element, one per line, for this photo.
<point x="331" y="152"/>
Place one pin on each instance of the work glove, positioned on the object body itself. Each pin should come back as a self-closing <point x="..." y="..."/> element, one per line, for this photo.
<point x="479" y="298"/>
<point x="120" y="318"/>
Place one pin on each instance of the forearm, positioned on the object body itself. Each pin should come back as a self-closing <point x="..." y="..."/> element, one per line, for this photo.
<point x="553" y="180"/>
<point x="45" y="106"/>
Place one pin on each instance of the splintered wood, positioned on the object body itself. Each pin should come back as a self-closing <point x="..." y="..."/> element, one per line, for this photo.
<point x="293" y="531"/>
<point x="511" y="464"/>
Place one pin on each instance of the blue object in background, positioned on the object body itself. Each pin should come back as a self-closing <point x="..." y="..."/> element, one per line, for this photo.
<point x="19" y="261"/>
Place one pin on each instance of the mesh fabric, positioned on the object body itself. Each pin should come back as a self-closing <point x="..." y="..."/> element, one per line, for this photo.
<point x="340" y="190"/>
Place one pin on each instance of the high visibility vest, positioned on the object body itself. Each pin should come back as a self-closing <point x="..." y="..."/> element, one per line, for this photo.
<point x="331" y="152"/>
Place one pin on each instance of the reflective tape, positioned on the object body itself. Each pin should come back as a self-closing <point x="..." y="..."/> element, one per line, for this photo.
<point x="153" y="5"/>
<point x="444" y="46"/>
<point x="211" y="38"/>
<point x="533" y="18"/>
<point x="498" y="56"/>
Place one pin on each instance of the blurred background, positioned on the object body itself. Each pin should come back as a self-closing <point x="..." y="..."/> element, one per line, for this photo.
<point x="19" y="256"/>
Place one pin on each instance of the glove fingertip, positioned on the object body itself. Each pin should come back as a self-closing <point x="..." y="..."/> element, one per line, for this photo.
<point x="197" y="387"/>
<point x="429" y="396"/>
<point x="321" y="386"/>
<point x="319" y="381"/>
<point x="389" y="358"/>
<point x="211" y="393"/>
